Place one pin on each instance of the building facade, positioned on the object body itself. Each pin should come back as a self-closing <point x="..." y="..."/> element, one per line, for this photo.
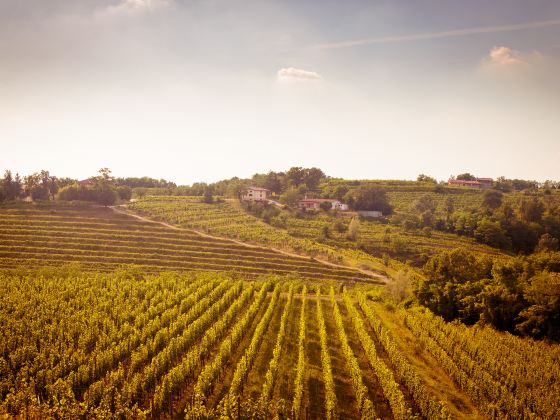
<point x="479" y="183"/>
<point x="255" y="194"/>
<point x="315" y="204"/>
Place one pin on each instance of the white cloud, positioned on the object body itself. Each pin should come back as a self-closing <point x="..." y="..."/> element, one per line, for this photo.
<point x="505" y="56"/>
<point x="133" y="6"/>
<point x="291" y="74"/>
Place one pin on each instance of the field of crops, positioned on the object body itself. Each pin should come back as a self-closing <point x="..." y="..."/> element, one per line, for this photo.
<point x="462" y="198"/>
<point x="208" y="345"/>
<point x="100" y="239"/>
<point x="303" y="234"/>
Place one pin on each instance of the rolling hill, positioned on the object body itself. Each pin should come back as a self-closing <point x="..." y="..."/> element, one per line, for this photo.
<point x="101" y="239"/>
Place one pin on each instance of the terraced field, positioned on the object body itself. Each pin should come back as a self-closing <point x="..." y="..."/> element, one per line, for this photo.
<point x="304" y="235"/>
<point x="101" y="240"/>
<point x="210" y="345"/>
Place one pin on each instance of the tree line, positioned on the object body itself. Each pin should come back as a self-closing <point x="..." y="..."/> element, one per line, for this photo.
<point x="520" y="294"/>
<point x="103" y="188"/>
<point x="528" y="222"/>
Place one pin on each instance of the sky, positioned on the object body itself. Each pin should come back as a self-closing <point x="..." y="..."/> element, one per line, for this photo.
<point x="206" y="90"/>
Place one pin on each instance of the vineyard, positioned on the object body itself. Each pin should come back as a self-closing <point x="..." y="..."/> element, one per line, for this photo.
<point x="305" y="234"/>
<point x="100" y="239"/>
<point x="211" y="345"/>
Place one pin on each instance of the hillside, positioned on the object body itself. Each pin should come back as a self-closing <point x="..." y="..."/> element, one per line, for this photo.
<point x="100" y="239"/>
<point x="305" y="233"/>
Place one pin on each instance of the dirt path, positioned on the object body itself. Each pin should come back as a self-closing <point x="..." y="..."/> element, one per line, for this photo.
<point x="125" y="211"/>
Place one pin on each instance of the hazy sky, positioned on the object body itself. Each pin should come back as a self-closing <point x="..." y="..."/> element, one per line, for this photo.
<point x="205" y="90"/>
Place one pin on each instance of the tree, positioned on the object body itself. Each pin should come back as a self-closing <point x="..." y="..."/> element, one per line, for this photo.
<point x="235" y="188"/>
<point x="11" y="186"/>
<point x="531" y="209"/>
<point x="295" y="176"/>
<point x="466" y="177"/>
<point x="353" y="232"/>
<point x="369" y="197"/>
<point x="273" y="182"/>
<point x="449" y="207"/>
<point x="312" y="177"/>
<point x="492" y="199"/>
<point x="426" y="178"/>
<point x="106" y="196"/>
<point x="542" y="317"/>
<point x="424" y="203"/>
<point x="445" y="288"/>
<point x="208" y="195"/>
<point x="325" y="205"/>
<point x="339" y="192"/>
<point x="399" y="288"/>
<point x="290" y="196"/>
<point x="499" y="306"/>
<point x="104" y="179"/>
<point x="491" y="233"/>
<point x="547" y="242"/>
<point x="124" y="192"/>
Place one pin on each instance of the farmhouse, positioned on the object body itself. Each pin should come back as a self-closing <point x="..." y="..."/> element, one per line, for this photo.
<point x="315" y="204"/>
<point x="255" y="194"/>
<point x="479" y="183"/>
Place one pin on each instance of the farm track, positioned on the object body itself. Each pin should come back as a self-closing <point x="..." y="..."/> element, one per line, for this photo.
<point x="368" y="273"/>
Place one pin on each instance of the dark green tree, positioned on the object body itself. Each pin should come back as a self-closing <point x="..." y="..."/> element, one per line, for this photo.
<point x="531" y="209"/>
<point x="466" y="177"/>
<point x="492" y="199"/>
<point x="547" y="242"/>
<point x="369" y="197"/>
<point x="542" y="317"/>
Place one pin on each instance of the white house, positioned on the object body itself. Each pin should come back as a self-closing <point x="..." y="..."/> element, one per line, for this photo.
<point x="255" y="194"/>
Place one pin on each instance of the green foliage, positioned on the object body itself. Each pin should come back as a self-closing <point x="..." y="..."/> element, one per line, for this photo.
<point x="542" y="317"/>
<point x="518" y="294"/>
<point x="466" y="177"/>
<point x="353" y="232"/>
<point x="11" y="187"/>
<point x="492" y="199"/>
<point x="491" y="233"/>
<point x="290" y="197"/>
<point x="426" y="178"/>
<point x="105" y="195"/>
<point x="369" y="198"/>
<point x="124" y="192"/>
<point x="547" y="242"/>
<point x="531" y="209"/>
<point x="325" y="206"/>
<point x="208" y="196"/>
<point x="446" y="275"/>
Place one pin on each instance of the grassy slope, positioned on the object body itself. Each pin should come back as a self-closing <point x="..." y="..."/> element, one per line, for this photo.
<point x="304" y="234"/>
<point x="229" y="220"/>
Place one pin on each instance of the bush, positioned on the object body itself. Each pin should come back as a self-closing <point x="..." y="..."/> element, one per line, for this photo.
<point x="124" y="192"/>
<point x="103" y="195"/>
